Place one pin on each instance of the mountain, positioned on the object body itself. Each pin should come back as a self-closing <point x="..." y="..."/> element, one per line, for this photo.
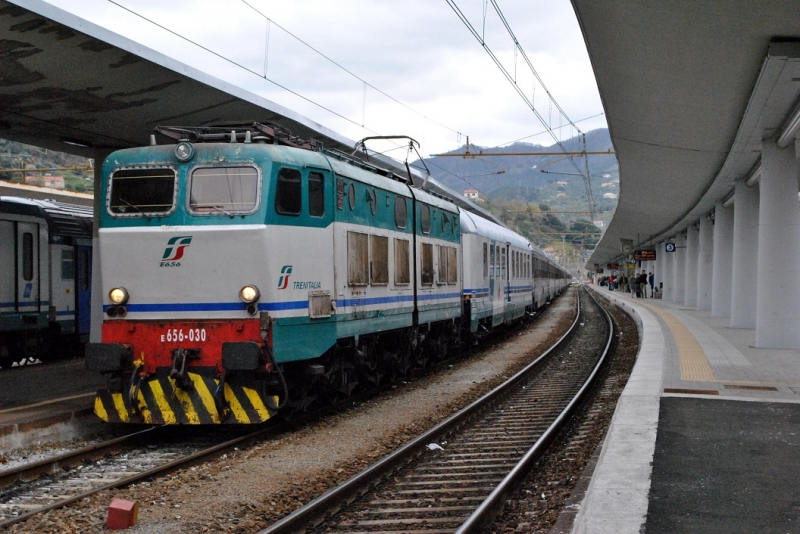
<point x="549" y="180"/>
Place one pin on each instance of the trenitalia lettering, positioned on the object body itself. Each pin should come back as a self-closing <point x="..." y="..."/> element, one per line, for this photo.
<point x="307" y="285"/>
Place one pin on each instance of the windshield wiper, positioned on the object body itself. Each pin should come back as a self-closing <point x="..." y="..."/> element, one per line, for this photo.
<point x="226" y="212"/>
<point x="131" y="205"/>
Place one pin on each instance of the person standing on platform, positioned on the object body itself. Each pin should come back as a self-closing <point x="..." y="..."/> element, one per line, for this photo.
<point x="651" y="279"/>
<point x="642" y="284"/>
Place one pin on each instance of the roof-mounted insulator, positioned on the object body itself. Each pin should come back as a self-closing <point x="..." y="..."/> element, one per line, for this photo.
<point x="247" y="137"/>
<point x="152" y="139"/>
<point x="233" y="136"/>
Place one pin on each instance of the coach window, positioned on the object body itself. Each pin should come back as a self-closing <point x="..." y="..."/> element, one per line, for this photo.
<point x="223" y="190"/>
<point x="400" y="212"/>
<point x="485" y="260"/>
<point x="503" y="262"/>
<point x="426" y="264"/>
<point x="402" y="271"/>
<point x="142" y="192"/>
<point x="425" y="219"/>
<point x="491" y="261"/>
<point x="357" y="259"/>
<point x="67" y="264"/>
<point x="287" y="195"/>
<point x="379" y="260"/>
<point x="27" y="256"/>
<point x="316" y="194"/>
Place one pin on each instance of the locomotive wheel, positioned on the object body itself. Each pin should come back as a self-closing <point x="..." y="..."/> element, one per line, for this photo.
<point x="341" y="376"/>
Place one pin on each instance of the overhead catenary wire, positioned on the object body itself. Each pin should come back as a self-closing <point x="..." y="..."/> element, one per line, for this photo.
<point x="264" y="76"/>
<point x="513" y="81"/>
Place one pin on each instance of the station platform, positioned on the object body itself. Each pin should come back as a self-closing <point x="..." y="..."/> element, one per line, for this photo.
<point x="42" y="402"/>
<point x="706" y="435"/>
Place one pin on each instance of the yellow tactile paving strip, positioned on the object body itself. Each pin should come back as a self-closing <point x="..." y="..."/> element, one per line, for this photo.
<point x="694" y="364"/>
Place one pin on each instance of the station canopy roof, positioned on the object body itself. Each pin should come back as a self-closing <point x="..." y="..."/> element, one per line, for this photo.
<point x="72" y="86"/>
<point x="689" y="89"/>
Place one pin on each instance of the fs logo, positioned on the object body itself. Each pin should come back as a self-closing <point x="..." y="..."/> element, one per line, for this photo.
<point x="174" y="251"/>
<point x="283" y="281"/>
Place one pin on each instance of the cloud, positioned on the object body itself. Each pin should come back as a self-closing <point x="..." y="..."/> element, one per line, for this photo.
<point x="418" y="52"/>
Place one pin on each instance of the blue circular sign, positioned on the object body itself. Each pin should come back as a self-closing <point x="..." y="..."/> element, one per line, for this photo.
<point x="669" y="247"/>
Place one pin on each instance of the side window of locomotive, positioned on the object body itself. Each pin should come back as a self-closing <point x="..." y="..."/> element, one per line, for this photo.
<point x="142" y="192"/>
<point x="288" y="198"/>
<point x="425" y="219"/>
<point x="67" y="264"/>
<point x="223" y="190"/>
<point x="316" y="194"/>
<point x="379" y="260"/>
<point x="400" y="212"/>
<point x="426" y="265"/>
<point x="357" y="259"/>
<point x="27" y="256"/>
<point x="402" y="269"/>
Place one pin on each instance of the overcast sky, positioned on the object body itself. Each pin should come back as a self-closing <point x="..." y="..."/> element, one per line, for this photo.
<point x="417" y="52"/>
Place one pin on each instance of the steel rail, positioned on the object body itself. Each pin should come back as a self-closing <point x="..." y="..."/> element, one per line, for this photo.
<point x="149" y="473"/>
<point x="487" y="510"/>
<point x="317" y="510"/>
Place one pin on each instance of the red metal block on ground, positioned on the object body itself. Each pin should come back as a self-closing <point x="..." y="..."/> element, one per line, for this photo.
<point x="122" y="514"/>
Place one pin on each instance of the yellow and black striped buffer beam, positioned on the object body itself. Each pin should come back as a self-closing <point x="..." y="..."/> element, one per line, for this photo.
<point x="159" y="401"/>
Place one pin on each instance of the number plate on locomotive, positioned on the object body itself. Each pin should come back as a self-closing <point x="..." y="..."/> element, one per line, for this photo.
<point x="179" y="335"/>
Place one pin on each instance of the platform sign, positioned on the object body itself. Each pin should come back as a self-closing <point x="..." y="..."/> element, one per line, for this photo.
<point x="612" y="266"/>
<point x="644" y="255"/>
<point x="669" y="247"/>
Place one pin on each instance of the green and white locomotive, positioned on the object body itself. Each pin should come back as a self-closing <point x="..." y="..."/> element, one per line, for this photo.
<point x="241" y="276"/>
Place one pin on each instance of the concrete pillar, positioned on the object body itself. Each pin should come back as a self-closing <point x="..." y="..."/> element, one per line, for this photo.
<point x="705" y="263"/>
<point x="723" y="262"/>
<point x="745" y="256"/>
<point x="778" y="288"/>
<point x="692" y="246"/>
<point x="679" y="269"/>
<point x="668" y="272"/>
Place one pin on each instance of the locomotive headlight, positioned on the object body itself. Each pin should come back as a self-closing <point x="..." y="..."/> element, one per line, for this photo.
<point x="118" y="295"/>
<point x="249" y="294"/>
<point x="184" y="151"/>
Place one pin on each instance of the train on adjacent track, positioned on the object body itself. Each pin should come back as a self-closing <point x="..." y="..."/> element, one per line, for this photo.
<point x="246" y="272"/>
<point x="45" y="277"/>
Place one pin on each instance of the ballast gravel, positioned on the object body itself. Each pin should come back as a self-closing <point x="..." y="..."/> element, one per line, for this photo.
<point x="246" y="490"/>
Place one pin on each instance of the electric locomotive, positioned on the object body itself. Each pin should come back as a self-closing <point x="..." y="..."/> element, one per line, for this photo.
<point x="245" y="272"/>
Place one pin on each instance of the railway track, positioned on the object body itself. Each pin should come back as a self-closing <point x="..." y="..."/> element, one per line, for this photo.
<point x="454" y="478"/>
<point x="54" y="482"/>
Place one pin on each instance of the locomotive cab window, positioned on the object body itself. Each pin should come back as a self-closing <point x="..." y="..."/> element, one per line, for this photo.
<point x="316" y="194"/>
<point x="288" y="197"/>
<point x="142" y="192"/>
<point x="223" y="191"/>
